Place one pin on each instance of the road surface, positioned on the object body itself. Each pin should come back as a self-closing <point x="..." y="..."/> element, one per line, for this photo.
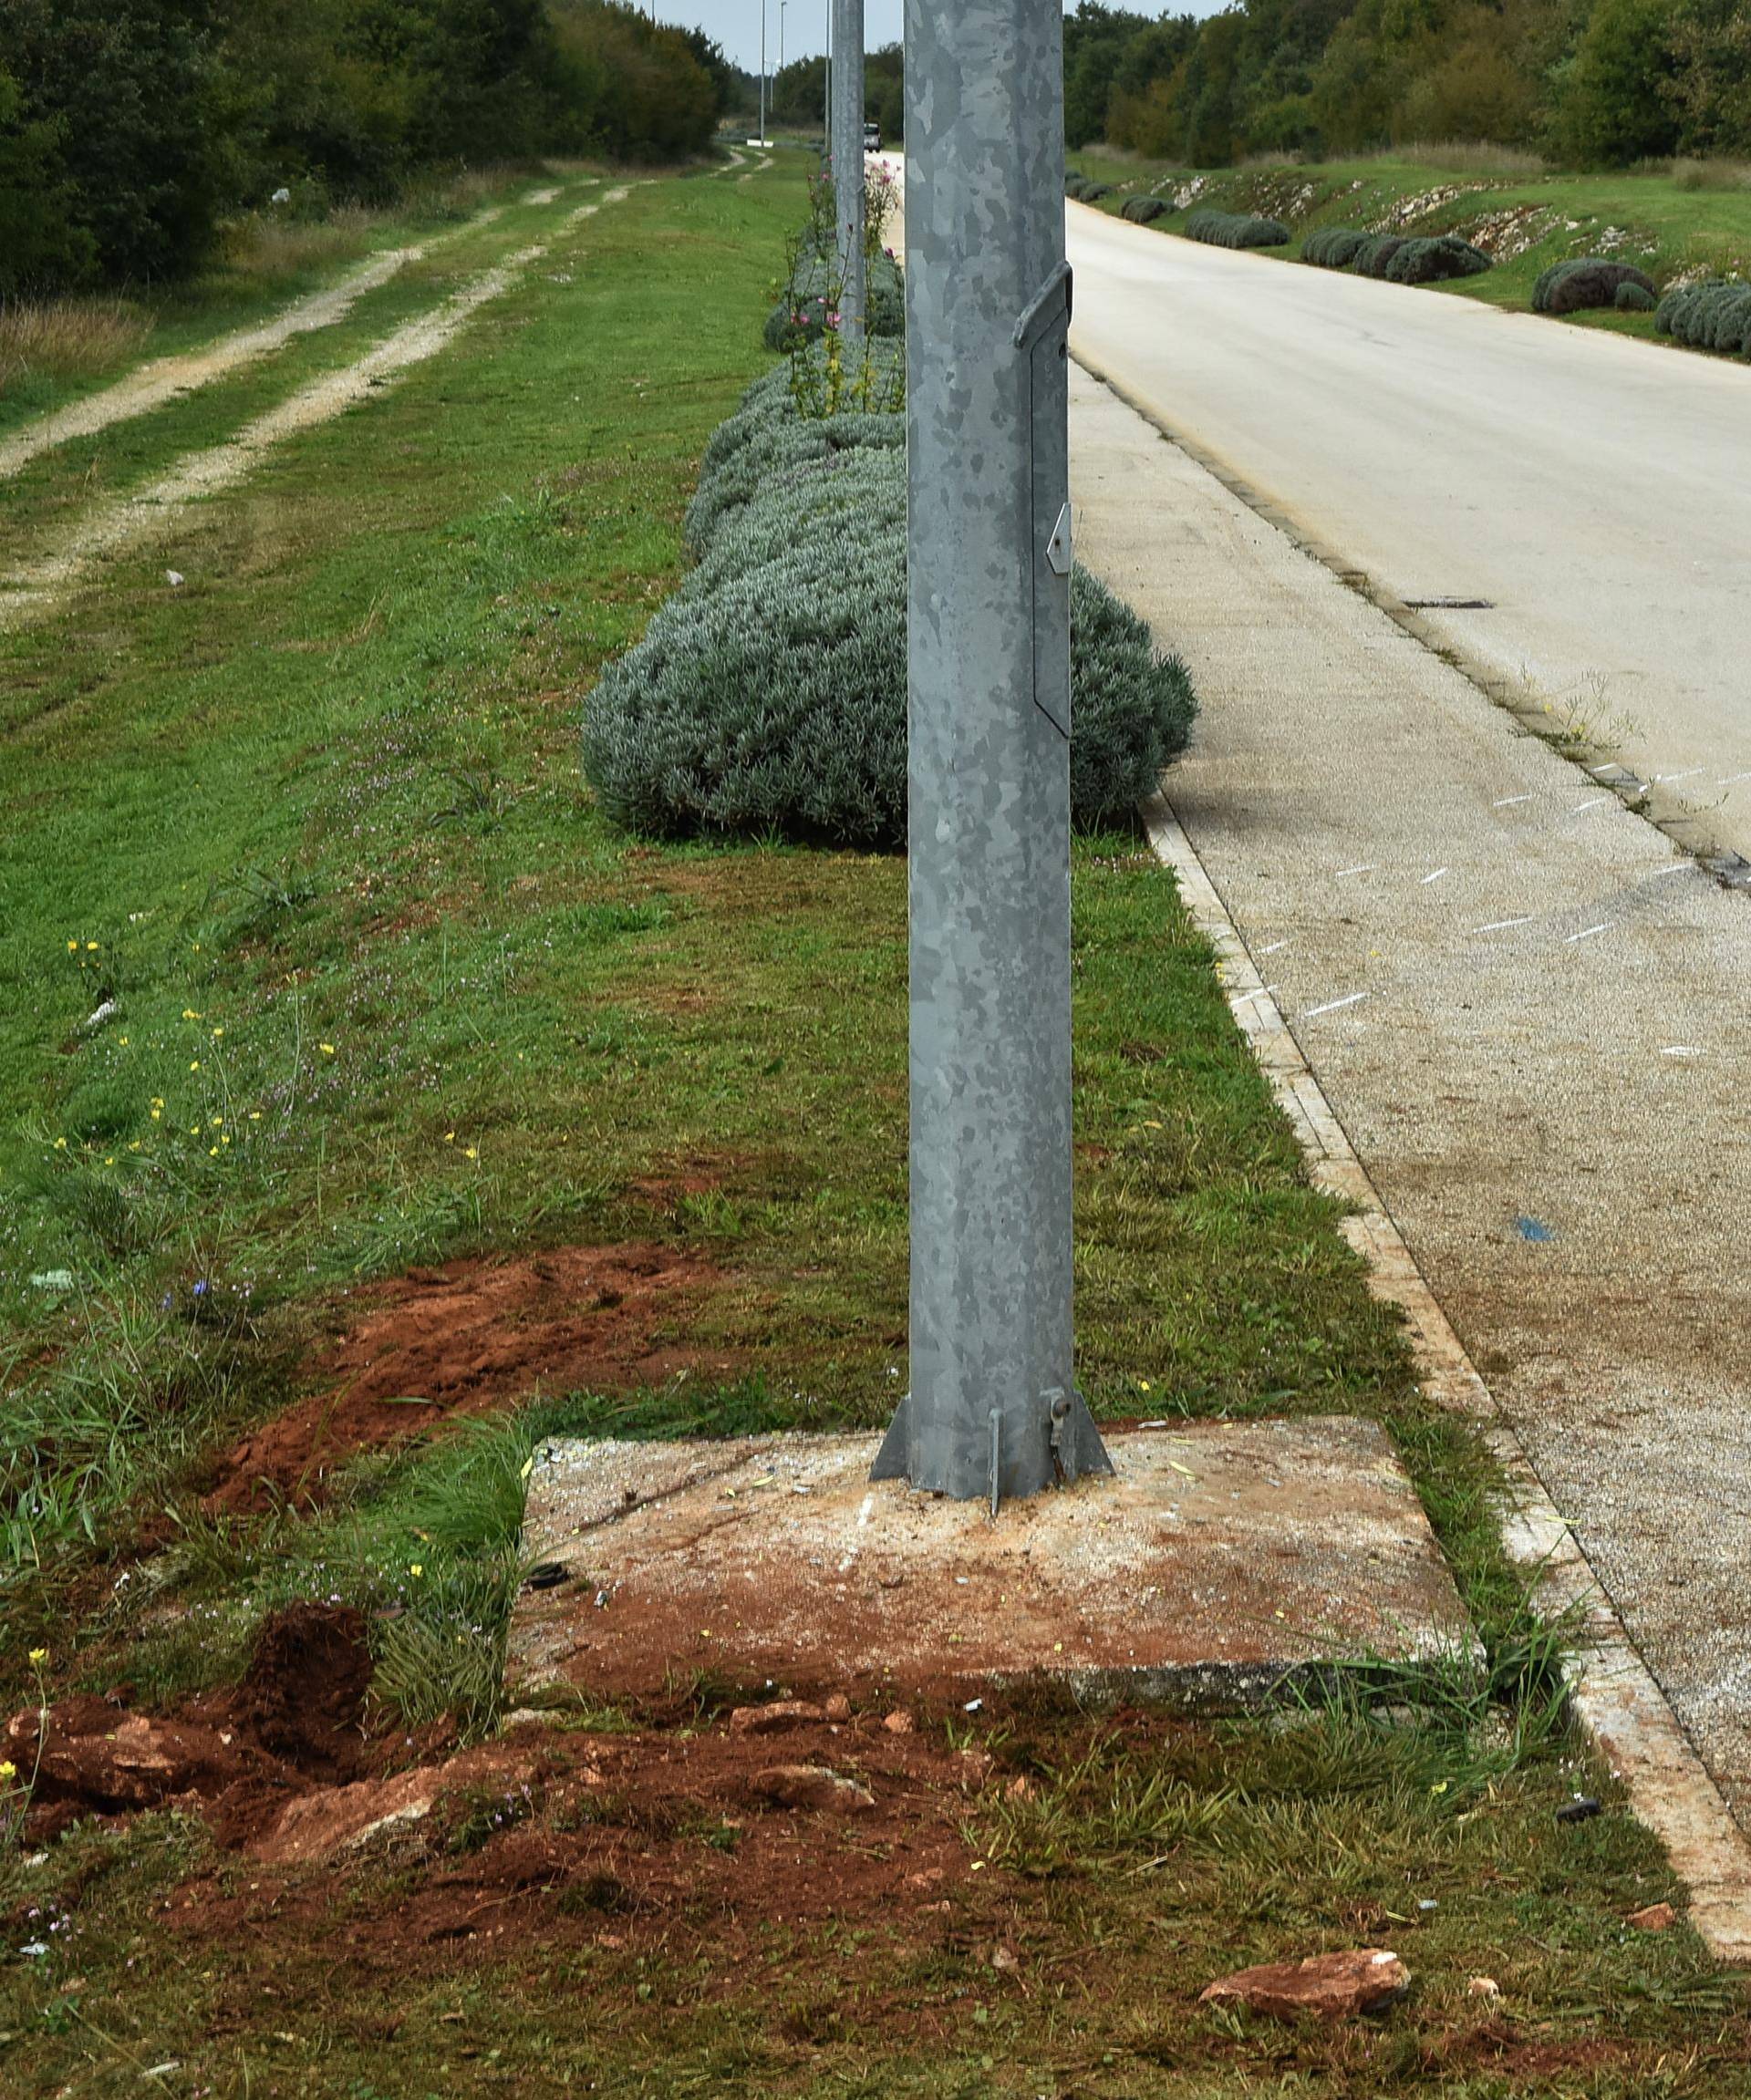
<point x="1595" y="491"/>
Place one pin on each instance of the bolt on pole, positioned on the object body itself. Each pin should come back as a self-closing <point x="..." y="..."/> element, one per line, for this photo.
<point x="992" y="1410"/>
<point x="848" y="160"/>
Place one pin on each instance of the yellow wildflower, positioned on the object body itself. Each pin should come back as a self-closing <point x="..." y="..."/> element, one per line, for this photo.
<point x="39" y="1655"/>
<point x="8" y="1770"/>
<point x="328" y="1050"/>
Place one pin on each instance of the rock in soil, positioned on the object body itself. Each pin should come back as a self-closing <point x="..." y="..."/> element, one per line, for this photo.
<point x="779" y="1714"/>
<point x="96" y="1759"/>
<point x="1334" y="1986"/>
<point x="812" y="1786"/>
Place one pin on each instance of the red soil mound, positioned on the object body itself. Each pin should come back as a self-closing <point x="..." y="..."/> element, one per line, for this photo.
<point x="465" y="1339"/>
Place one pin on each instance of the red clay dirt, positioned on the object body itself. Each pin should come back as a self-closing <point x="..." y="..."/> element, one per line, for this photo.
<point x="465" y="1339"/>
<point x="642" y="1831"/>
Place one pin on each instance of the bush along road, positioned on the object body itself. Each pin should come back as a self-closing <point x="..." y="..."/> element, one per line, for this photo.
<point x="374" y="1105"/>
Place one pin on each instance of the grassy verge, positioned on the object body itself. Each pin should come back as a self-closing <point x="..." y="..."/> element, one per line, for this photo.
<point x="1525" y="219"/>
<point x="384" y="991"/>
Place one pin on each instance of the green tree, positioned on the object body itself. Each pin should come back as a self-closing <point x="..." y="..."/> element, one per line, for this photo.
<point x="1612" y="96"/>
<point x="1095" y="41"/>
<point x="1709" y="90"/>
<point x="41" y="248"/>
<point x="130" y="93"/>
<point x="630" y="87"/>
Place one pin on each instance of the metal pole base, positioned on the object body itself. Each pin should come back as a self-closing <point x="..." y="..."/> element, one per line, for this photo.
<point x="1073" y="1441"/>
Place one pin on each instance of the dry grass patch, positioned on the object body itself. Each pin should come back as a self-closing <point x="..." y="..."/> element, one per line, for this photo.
<point x="66" y="338"/>
<point x="268" y="246"/>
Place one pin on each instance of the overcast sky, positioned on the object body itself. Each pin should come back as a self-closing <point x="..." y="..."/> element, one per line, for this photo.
<point x="736" y="23"/>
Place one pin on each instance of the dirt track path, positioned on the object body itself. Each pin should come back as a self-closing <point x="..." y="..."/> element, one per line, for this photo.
<point x="148" y="511"/>
<point x="168" y="378"/>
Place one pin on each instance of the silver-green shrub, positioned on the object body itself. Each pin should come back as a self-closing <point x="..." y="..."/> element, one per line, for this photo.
<point x="769" y="692"/>
<point x="1583" y="282"/>
<point x="1332" y="247"/>
<point x="1375" y="254"/>
<point x="1436" y="259"/>
<point x="1711" y="317"/>
<point x="812" y="294"/>
<point x="1236" y="229"/>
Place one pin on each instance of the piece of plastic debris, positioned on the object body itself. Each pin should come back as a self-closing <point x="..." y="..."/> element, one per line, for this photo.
<point x="1578" y="1810"/>
<point x="1532" y="1230"/>
<point x="52" y="1279"/>
<point x="972" y="1706"/>
<point x="173" y="577"/>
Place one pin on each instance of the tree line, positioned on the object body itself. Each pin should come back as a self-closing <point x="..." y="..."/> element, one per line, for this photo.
<point x="131" y="128"/>
<point x="1587" y="83"/>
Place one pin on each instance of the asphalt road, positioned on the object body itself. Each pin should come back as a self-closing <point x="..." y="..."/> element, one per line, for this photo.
<point x="1595" y="491"/>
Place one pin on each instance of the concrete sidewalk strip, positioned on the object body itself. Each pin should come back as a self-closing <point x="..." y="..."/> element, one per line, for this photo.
<point x="1224" y="1563"/>
<point x="1614" y="1693"/>
<point x="1522" y="1139"/>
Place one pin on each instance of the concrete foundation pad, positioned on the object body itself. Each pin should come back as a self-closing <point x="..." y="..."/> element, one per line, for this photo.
<point x="1223" y="1560"/>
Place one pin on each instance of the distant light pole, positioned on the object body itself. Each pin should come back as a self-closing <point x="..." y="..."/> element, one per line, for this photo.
<point x="782" y="5"/>
<point x="992" y="1410"/>
<point x="848" y="163"/>
<point x="762" y="72"/>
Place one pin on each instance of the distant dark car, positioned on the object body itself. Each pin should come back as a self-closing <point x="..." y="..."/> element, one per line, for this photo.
<point x="871" y="138"/>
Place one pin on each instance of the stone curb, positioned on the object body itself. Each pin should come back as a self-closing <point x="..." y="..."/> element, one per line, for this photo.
<point x="1614" y="1694"/>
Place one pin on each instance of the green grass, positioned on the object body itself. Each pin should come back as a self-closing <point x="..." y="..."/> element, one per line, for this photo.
<point x="315" y="824"/>
<point x="1658" y="220"/>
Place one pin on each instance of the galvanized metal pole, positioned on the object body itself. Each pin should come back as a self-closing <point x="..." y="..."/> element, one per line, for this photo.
<point x="848" y="161"/>
<point x="992" y="1410"/>
<point x="762" y="72"/>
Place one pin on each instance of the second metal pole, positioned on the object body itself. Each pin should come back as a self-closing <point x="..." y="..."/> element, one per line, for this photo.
<point x="848" y="161"/>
